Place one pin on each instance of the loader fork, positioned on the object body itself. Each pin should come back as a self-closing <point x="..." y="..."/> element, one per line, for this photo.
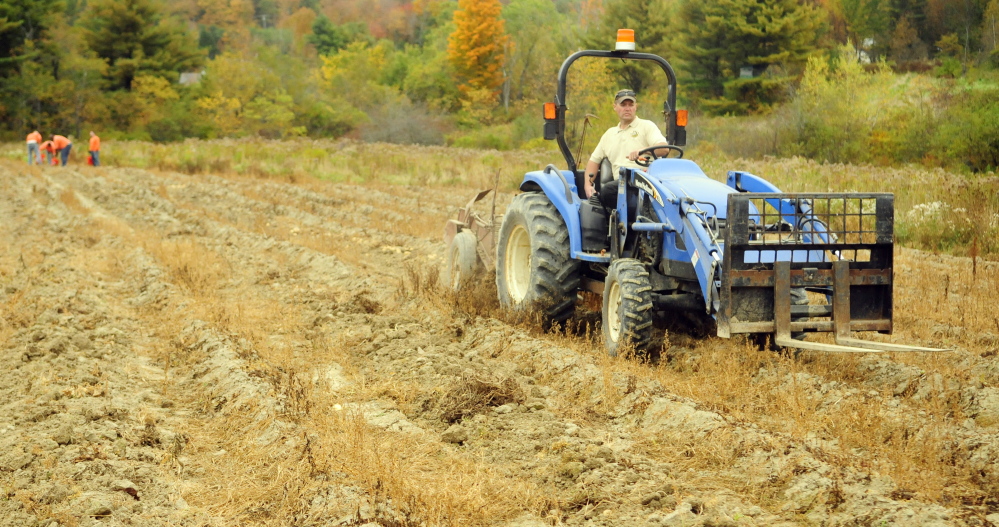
<point x="760" y="269"/>
<point x="845" y="342"/>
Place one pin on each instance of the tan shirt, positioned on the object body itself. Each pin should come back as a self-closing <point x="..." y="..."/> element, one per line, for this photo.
<point x="617" y="143"/>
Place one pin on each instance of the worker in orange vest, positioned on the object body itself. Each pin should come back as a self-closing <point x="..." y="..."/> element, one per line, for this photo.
<point x="95" y="148"/>
<point x="33" y="154"/>
<point x="62" y="146"/>
<point x="48" y="151"/>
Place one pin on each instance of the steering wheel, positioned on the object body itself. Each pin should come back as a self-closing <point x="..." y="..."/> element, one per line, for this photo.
<point x="647" y="155"/>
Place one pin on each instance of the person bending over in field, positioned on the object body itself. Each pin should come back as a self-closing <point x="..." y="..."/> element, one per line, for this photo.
<point x="62" y="146"/>
<point x="48" y="152"/>
<point x="621" y="144"/>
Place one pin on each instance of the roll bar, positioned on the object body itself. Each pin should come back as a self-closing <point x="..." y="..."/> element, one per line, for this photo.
<point x="557" y="128"/>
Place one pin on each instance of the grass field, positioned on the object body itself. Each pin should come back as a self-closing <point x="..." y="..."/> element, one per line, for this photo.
<point x="246" y="344"/>
<point x="936" y="210"/>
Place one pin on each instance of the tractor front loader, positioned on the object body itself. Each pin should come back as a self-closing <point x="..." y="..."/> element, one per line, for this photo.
<point x="758" y="261"/>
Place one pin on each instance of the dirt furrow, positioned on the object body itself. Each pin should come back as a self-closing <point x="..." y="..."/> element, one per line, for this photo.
<point x="820" y="390"/>
<point x="89" y="437"/>
<point x="300" y="342"/>
<point x="895" y="391"/>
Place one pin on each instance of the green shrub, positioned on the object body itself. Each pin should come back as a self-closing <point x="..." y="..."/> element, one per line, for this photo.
<point x="497" y="137"/>
<point x="848" y="112"/>
<point x="949" y="67"/>
<point x="751" y="95"/>
<point x="969" y="133"/>
<point x="165" y="130"/>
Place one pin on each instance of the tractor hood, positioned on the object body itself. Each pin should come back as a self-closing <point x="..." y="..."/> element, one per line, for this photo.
<point x="684" y="179"/>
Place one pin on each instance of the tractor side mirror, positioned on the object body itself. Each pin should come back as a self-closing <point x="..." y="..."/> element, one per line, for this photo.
<point x="551" y="121"/>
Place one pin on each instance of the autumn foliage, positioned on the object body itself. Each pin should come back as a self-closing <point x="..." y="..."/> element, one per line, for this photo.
<point x="478" y="46"/>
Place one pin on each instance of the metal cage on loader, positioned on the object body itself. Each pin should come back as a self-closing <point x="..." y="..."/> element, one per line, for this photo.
<point x="758" y="261"/>
<point x="840" y="246"/>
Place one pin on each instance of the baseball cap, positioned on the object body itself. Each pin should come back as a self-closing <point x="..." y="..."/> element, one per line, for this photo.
<point x="623" y="95"/>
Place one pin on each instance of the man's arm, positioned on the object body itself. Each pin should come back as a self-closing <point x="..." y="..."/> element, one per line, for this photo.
<point x="653" y="137"/>
<point x="590" y="175"/>
<point x="634" y="155"/>
<point x="592" y="171"/>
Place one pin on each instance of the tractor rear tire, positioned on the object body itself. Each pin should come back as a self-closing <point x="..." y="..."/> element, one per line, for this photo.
<point x="627" y="309"/>
<point x="462" y="260"/>
<point x="534" y="272"/>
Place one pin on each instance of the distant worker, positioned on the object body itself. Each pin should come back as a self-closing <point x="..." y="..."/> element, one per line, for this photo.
<point x="33" y="154"/>
<point x="62" y="146"/>
<point x="48" y="151"/>
<point x="95" y="148"/>
<point x="621" y="144"/>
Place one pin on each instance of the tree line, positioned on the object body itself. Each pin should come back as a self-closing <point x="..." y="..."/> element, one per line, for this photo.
<point x="467" y="72"/>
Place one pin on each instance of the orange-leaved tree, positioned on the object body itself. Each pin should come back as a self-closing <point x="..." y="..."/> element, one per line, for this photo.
<point x="477" y="48"/>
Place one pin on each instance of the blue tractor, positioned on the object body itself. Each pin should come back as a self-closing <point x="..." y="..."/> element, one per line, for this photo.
<point x="742" y="253"/>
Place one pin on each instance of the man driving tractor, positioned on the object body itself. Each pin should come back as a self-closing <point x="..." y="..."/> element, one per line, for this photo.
<point x="621" y="144"/>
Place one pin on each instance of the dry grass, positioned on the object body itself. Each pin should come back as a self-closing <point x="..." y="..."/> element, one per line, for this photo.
<point x="191" y="265"/>
<point x="263" y="484"/>
<point x="268" y="484"/>
<point x="724" y="376"/>
<point x="15" y="314"/>
<point x="935" y="209"/>
<point x="69" y="199"/>
<point x="472" y="393"/>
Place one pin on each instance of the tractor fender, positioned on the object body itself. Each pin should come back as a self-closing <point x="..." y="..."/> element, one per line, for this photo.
<point x="560" y="188"/>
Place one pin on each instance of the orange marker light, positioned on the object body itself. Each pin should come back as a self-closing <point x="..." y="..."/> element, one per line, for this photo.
<point x="625" y="40"/>
<point x="681" y="117"/>
<point x="549" y="110"/>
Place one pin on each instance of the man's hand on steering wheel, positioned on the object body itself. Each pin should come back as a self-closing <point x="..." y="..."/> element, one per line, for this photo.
<point x="647" y="155"/>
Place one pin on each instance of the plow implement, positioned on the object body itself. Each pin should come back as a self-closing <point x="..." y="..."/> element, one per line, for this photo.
<point x="834" y="250"/>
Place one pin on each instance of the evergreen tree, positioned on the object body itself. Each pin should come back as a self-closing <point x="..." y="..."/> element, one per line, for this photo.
<point x="134" y="38"/>
<point x="866" y="21"/>
<point x="328" y="38"/>
<point x="651" y="20"/>
<point x="265" y="12"/>
<point x="24" y="26"/>
<point x="913" y="12"/>
<point x="719" y="38"/>
<point x="28" y="61"/>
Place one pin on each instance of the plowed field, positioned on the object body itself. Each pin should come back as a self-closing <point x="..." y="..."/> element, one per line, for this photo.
<point x="202" y="350"/>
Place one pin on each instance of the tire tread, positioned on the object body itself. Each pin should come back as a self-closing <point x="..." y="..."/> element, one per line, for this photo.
<point x="636" y="304"/>
<point x="555" y="274"/>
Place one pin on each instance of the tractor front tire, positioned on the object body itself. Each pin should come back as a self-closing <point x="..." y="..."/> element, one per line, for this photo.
<point x="534" y="272"/>
<point x="462" y="260"/>
<point x="627" y="309"/>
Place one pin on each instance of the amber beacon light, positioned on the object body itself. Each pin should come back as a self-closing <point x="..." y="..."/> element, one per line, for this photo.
<point x="549" y="110"/>
<point x="681" y="117"/>
<point x="625" y="40"/>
